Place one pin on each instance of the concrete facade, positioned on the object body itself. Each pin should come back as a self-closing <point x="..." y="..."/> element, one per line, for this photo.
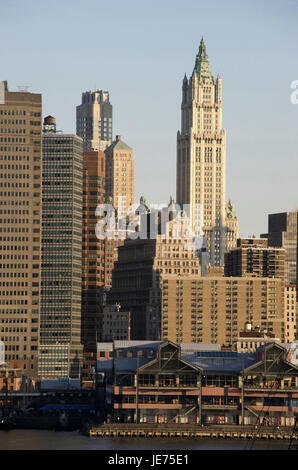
<point x="20" y="222"/>
<point x="215" y="309"/>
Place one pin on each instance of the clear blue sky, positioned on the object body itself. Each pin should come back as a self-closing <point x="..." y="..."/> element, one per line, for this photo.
<point x="139" y="52"/>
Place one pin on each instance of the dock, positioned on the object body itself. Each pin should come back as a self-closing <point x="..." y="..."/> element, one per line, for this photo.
<point x="190" y="432"/>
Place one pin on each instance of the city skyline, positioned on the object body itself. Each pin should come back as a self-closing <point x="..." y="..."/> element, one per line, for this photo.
<point x="149" y="223"/>
<point x="144" y="79"/>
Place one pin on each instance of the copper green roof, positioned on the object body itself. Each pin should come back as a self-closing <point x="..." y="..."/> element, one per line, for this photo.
<point x="118" y="144"/>
<point x="230" y="213"/>
<point x="202" y="66"/>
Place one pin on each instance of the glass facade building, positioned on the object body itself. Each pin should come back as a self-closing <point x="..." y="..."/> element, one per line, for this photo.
<point x="61" y="287"/>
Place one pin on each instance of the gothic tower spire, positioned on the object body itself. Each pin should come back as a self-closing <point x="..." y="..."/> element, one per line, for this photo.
<point x="202" y="66"/>
<point x="201" y="158"/>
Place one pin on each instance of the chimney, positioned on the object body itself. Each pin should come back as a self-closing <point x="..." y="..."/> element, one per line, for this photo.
<point x="118" y="137"/>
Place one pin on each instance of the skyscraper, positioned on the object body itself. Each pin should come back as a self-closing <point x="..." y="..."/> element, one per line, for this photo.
<point x="20" y="226"/>
<point x="120" y="175"/>
<point x="253" y="258"/>
<point x="201" y="154"/>
<point x="94" y="120"/>
<point x="61" y="285"/>
<point x="93" y="274"/>
<point x="282" y="233"/>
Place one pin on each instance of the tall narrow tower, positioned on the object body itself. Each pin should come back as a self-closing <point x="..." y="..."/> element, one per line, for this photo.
<point x="201" y="154"/>
<point x="94" y="120"/>
<point x="120" y="175"/>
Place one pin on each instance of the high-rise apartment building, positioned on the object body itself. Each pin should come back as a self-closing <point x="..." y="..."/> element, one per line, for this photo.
<point x="61" y="284"/>
<point x="120" y="176"/>
<point x="93" y="255"/>
<point x="282" y="233"/>
<point x="215" y="309"/>
<point x="20" y="226"/>
<point x="120" y="193"/>
<point x="201" y="155"/>
<point x="290" y="313"/>
<point x="95" y="120"/>
<point x="110" y="256"/>
<point x="253" y="258"/>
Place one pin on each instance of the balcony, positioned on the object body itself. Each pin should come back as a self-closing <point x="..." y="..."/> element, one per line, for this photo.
<point x="169" y="386"/>
<point x="220" y="407"/>
<point x="149" y="406"/>
<point x="270" y="388"/>
<point x="154" y="389"/>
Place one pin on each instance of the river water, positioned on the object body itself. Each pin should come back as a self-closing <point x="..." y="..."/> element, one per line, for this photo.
<point x="51" y="440"/>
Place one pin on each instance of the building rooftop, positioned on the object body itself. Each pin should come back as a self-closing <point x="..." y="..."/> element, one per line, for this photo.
<point x="214" y="362"/>
<point x="118" y="144"/>
<point x="207" y="357"/>
<point x="199" y="347"/>
<point x="128" y="344"/>
<point x="225" y="362"/>
<point x="138" y="344"/>
<point x="122" y="364"/>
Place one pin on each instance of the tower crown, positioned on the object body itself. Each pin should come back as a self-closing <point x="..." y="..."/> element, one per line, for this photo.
<point x="202" y="49"/>
<point x="202" y="66"/>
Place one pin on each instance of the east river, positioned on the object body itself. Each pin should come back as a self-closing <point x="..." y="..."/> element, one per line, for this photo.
<point x="51" y="440"/>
